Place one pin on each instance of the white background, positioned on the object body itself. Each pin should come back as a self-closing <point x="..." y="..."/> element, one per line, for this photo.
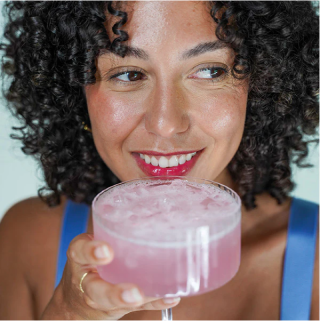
<point x="21" y="177"/>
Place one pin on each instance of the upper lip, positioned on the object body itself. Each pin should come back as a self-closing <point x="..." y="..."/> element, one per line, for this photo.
<point x="149" y="152"/>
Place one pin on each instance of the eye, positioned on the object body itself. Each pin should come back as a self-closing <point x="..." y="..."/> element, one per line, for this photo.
<point x="128" y="76"/>
<point x="210" y="72"/>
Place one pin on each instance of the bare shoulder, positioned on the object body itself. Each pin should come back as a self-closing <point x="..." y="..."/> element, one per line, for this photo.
<point x="29" y="238"/>
<point x="30" y="222"/>
<point x="33" y="228"/>
<point x="31" y="210"/>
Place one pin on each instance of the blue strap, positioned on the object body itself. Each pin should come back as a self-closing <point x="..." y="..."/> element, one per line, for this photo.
<point x="75" y="222"/>
<point x="299" y="260"/>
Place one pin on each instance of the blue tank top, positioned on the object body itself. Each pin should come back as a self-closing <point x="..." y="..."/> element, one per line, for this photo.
<point x="299" y="257"/>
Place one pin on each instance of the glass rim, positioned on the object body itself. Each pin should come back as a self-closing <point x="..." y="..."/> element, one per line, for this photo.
<point x="226" y="188"/>
<point x="164" y="244"/>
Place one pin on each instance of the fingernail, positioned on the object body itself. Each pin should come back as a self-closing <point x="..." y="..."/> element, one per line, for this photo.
<point x="131" y="296"/>
<point x="171" y="300"/>
<point x="102" y="252"/>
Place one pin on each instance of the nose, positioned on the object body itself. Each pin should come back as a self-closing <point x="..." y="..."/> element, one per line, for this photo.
<point x="167" y="113"/>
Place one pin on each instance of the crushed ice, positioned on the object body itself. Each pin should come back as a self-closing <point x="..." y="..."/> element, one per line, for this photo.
<point x="149" y="209"/>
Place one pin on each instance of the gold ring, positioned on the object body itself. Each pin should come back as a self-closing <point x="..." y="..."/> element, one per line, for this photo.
<point x="82" y="278"/>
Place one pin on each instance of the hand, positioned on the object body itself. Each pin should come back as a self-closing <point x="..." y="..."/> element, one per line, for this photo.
<point x="100" y="300"/>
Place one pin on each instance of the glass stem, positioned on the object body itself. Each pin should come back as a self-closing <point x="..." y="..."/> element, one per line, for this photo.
<point x="167" y="314"/>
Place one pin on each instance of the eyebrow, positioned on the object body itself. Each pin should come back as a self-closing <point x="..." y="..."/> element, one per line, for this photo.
<point x="187" y="54"/>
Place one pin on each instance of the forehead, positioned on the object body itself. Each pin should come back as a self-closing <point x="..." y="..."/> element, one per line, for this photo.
<point x="161" y="25"/>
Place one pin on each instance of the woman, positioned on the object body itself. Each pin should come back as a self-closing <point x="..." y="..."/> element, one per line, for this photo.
<point x="96" y="84"/>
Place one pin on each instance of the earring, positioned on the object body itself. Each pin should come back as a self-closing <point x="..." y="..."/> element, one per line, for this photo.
<point x="85" y="127"/>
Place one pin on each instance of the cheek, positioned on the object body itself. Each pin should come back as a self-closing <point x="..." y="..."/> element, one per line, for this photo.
<point x="223" y="116"/>
<point x="113" y="117"/>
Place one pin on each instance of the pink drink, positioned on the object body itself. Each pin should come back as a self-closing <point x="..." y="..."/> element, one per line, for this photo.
<point x="172" y="237"/>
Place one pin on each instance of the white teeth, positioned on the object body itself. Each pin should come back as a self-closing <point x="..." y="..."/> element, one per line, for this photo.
<point x="173" y="161"/>
<point x="147" y="159"/>
<point x="182" y="159"/>
<point x="163" y="162"/>
<point x="154" y="161"/>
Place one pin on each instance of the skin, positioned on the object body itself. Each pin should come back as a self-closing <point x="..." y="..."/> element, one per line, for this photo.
<point x="168" y="110"/>
<point x="174" y="107"/>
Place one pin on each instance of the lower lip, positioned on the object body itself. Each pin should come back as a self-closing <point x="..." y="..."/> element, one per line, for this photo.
<point x="179" y="170"/>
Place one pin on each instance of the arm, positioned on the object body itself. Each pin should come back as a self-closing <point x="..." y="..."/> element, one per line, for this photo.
<point x="28" y="244"/>
<point x="15" y="296"/>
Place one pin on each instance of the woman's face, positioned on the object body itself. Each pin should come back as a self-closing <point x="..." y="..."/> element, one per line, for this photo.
<point x="172" y="96"/>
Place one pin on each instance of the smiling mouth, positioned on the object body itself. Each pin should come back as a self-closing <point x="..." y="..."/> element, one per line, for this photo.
<point x="165" y="162"/>
<point x="157" y="164"/>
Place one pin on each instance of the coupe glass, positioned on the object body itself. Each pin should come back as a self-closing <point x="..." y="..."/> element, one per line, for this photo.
<point x="173" y="236"/>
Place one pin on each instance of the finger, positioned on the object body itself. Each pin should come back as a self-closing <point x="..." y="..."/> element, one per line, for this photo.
<point x="105" y="296"/>
<point x="83" y="250"/>
<point x="161" y="304"/>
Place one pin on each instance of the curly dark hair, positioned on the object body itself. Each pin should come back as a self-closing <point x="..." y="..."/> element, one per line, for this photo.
<point x="50" y="50"/>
